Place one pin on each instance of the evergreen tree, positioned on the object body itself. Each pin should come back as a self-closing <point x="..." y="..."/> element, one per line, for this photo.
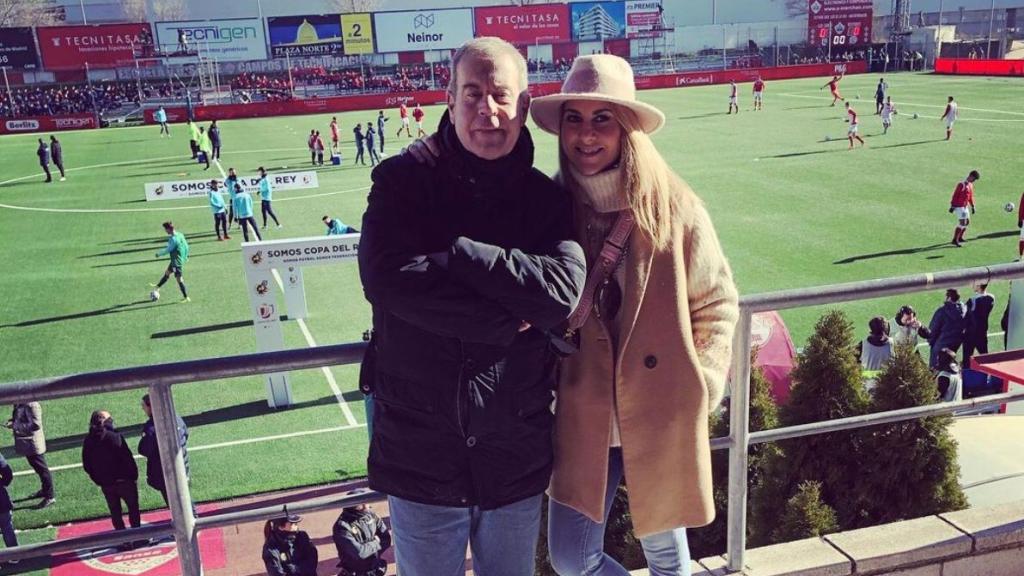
<point x="826" y="385"/>
<point x="912" y="468"/>
<point x="806" y="515"/>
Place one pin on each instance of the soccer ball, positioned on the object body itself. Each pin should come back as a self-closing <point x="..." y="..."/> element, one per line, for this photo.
<point x="858" y="96"/>
<point x="828" y="138"/>
<point x="1009" y="207"/>
<point x="915" y="115"/>
<point x="154" y="295"/>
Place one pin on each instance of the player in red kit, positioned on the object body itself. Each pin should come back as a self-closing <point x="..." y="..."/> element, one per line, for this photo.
<point x="758" y="92"/>
<point x="733" y="97"/>
<point x="851" y="134"/>
<point x="417" y="115"/>
<point x="403" y="113"/>
<point x="833" y="87"/>
<point x="962" y="201"/>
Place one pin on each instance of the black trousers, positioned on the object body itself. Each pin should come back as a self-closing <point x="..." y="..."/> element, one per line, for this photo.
<point x="244" y="223"/>
<point x="114" y="494"/>
<point x="38" y="463"/>
<point x="195" y="148"/>
<point x="265" y="209"/>
<point x="220" y="222"/>
<point x="60" y="166"/>
<point x="216" y="151"/>
<point x="46" y="168"/>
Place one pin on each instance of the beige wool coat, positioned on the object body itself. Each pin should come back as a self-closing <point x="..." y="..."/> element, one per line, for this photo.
<point x="679" y="311"/>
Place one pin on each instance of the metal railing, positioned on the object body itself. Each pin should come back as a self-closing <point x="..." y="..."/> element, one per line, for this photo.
<point x="184" y="526"/>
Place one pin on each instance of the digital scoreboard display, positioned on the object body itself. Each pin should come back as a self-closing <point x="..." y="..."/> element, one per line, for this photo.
<point x="839" y="23"/>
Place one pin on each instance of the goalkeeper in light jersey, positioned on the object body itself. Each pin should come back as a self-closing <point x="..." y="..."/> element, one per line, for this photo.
<point x="177" y="249"/>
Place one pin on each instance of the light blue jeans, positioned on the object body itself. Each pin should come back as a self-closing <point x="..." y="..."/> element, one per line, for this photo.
<point x="431" y="540"/>
<point x="576" y="542"/>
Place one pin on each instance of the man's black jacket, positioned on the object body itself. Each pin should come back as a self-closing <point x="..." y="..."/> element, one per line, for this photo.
<point x="360" y="537"/>
<point x="106" y="457"/>
<point x="462" y="397"/>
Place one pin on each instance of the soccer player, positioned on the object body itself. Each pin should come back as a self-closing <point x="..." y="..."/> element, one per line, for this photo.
<point x="758" y="94"/>
<point x="205" y="146"/>
<point x="43" y="152"/>
<point x="334" y="136"/>
<point x="230" y="182"/>
<point x="267" y="193"/>
<point x="963" y="198"/>
<point x="370" y="149"/>
<point x="311" y="142"/>
<point x="243" y="212"/>
<point x="950" y="115"/>
<point x="888" y="111"/>
<point x="318" y="148"/>
<point x="381" y="119"/>
<point x="852" y="134"/>
<point x="881" y="91"/>
<point x="833" y="87"/>
<point x="358" y="133"/>
<point x="403" y="113"/>
<point x="160" y="116"/>
<point x="733" y="97"/>
<point x="214" y="133"/>
<point x="177" y="249"/>
<point x="417" y="115"/>
<point x="57" y="153"/>
<point x="336" y="227"/>
<point x="193" y="134"/>
<point x="220" y="211"/>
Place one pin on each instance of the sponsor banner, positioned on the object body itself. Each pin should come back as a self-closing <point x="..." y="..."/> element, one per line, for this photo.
<point x="47" y="123"/>
<point x="357" y="33"/>
<point x="839" y="23"/>
<point x="423" y="30"/>
<point x="104" y="46"/>
<point x="175" y="190"/>
<point x="748" y="75"/>
<point x="598" y="20"/>
<point x="545" y="23"/>
<point x="228" y="40"/>
<point x="292" y="253"/>
<point x="304" y="35"/>
<point x="979" y="67"/>
<point x="18" y="48"/>
<point x="643" y="18"/>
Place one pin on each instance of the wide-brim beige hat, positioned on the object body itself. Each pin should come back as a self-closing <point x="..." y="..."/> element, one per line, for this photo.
<point x="602" y="78"/>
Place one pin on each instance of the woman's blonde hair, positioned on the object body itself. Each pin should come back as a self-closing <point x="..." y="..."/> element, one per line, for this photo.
<point x="652" y="188"/>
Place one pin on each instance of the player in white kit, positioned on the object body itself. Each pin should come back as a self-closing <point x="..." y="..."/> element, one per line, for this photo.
<point x="950" y="116"/>
<point x="888" y="111"/>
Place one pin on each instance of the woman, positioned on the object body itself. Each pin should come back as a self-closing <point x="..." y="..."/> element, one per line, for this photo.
<point x="655" y="347"/>
<point x="108" y="461"/>
<point x="288" y="551"/>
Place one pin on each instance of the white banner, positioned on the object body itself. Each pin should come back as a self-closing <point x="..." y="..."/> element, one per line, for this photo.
<point x="294" y="252"/>
<point x="422" y="30"/>
<point x="177" y="189"/>
<point x="643" y="18"/>
<point x="230" y="40"/>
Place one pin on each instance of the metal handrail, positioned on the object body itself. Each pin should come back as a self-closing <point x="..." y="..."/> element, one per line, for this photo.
<point x="184" y="526"/>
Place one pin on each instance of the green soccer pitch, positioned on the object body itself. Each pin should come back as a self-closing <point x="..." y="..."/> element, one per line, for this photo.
<point x="792" y="207"/>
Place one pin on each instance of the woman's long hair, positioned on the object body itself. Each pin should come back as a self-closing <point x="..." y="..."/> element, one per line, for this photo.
<point x="651" y="187"/>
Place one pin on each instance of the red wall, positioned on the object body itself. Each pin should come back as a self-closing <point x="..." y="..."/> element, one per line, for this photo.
<point x="47" y="123"/>
<point x="979" y="67"/>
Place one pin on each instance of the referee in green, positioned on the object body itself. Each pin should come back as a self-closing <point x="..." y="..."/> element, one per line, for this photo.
<point x="177" y="249"/>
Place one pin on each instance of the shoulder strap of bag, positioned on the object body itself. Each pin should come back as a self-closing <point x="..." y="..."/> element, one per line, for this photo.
<point x="607" y="262"/>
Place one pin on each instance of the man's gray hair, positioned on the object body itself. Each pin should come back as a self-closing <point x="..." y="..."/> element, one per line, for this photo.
<point x="488" y="48"/>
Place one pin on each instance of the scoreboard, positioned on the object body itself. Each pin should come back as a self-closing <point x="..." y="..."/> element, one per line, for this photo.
<point x="839" y="23"/>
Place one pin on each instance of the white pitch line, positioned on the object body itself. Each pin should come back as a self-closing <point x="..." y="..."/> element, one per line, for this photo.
<point x="903" y="103"/>
<point x="349" y="417"/>
<point x="223" y="445"/>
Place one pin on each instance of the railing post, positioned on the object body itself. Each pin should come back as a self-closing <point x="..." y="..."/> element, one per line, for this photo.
<point x="172" y="463"/>
<point x="739" y="438"/>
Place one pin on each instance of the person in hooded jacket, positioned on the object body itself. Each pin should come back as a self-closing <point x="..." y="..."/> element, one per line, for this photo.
<point x="875" y="350"/>
<point x="29" y="440"/>
<point x="148" y="447"/>
<point x="108" y="461"/>
<point x="979" y="307"/>
<point x="906" y="328"/>
<point x="288" y="551"/>
<point x="361" y="537"/>
<point x="947" y="327"/>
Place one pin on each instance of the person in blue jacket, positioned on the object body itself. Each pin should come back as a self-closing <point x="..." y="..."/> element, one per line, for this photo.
<point x="230" y="183"/>
<point x="243" y="212"/>
<point x="336" y="227"/>
<point x="266" y="197"/>
<point x="220" y="211"/>
<point x="149" y="448"/>
<point x="6" y="506"/>
<point x="177" y="249"/>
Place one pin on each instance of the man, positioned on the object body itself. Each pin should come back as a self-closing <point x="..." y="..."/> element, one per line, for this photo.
<point x="963" y="199"/>
<point x="230" y="183"/>
<point x="318" y="148"/>
<point x="468" y="266"/>
<point x="108" y="461"/>
<point x="43" y="152"/>
<point x="370" y="148"/>
<point x="381" y="119"/>
<point x="833" y="88"/>
<point x="149" y="448"/>
<point x="205" y="146"/>
<point x="403" y="114"/>
<point x="979" y="307"/>
<point x="334" y="136"/>
<point x="888" y="111"/>
<point x="851" y="133"/>
<point x="266" y="197"/>
<point x="160" y="116"/>
<point x="336" y="227"/>
<point x="311" y="142"/>
<point x="357" y="132"/>
<point x="6" y="506"/>
<point x="418" y="114"/>
<point x="182" y="42"/>
<point x="287" y="550"/>
<point x="361" y="537"/>
<point x="29" y="441"/>
<point x="57" y="153"/>
<point x="220" y="211"/>
<point x="759" y="94"/>
<point x="947" y="327"/>
<point x="243" y="212"/>
<point x="177" y="249"/>
<point x="880" y="92"/>
<point x="733" y="97"/>
<point x="214" y="133"/>
<point x="193" y="134"/>
<point x="950" y="116"/>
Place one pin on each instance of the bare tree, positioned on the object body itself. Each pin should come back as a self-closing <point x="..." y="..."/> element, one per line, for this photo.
<point x="29" y="13"/>
<point x="354" y="6"/>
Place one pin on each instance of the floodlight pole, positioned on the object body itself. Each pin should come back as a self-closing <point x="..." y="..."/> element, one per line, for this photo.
<point x="81" y="4"/>
<point x="10" y="96"/>
<point x="991" y="17"/>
